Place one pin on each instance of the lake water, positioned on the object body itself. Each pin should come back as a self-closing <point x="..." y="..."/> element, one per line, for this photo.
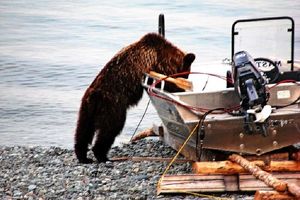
<point x="50" y="51"/>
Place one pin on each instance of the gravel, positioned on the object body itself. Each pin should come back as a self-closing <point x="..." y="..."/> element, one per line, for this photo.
<point x="54" y="173"/>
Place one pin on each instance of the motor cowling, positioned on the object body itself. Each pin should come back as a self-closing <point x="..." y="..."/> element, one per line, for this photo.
<point x="248" y="81"/>
<point x="250" y="85"/>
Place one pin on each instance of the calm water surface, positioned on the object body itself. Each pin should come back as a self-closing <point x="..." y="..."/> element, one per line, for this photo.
<point x="50" y="51"/>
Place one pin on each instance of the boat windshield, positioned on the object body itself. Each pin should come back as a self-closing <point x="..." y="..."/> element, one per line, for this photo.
<point x="270" y="38"/>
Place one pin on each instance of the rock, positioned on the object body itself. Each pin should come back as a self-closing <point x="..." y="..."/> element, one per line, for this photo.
<point x="17" y="193"/>
<point x="113" y="188"/>
<point x="105" y="188"/>
<point x="31" y="187"/>
<point x="136" y="170"/>
<point x="150" y="169"/>
<point x="114" y="196"/>
<point x="140" y="177"/>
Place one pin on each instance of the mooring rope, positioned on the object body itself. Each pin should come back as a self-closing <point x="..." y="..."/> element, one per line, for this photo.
<point x="137" y="127"/>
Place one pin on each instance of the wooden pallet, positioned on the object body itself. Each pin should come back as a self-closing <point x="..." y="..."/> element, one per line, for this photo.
<point x="229" y="176"/>
<point x="219" y="183"/>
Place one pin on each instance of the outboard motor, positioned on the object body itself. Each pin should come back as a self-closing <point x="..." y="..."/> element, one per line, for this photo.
<point x="250" y="84"/>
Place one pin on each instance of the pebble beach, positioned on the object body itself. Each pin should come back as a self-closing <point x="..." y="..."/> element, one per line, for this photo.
<point x="54" y="173"/>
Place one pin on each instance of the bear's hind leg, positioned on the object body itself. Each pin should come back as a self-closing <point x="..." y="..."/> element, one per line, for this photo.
<point x="83" y="137"/>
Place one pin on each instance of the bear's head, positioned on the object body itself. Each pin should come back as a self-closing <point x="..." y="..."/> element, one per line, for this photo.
<point x="169" y="59"/>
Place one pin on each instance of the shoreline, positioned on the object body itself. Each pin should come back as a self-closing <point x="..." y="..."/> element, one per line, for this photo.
<point x="54" y="173"/>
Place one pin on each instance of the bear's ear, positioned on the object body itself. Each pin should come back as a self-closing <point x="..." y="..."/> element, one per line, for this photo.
<point x="188" y="59"/>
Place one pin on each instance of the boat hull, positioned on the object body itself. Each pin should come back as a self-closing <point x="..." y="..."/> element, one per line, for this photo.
<point x="225" y="132"/>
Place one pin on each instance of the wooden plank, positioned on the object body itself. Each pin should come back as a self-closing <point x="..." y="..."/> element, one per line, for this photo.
<point x="219" y="183"/>
<point x="220" y="167"/>
<point x="272" y="195"/>
<point x="228" y="167"/>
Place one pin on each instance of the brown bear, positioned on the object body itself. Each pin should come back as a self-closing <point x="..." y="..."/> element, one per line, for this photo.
<point x="118" y="87"/>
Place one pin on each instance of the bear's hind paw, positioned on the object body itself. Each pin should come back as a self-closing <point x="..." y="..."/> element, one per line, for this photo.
<point x="85" y="161"/>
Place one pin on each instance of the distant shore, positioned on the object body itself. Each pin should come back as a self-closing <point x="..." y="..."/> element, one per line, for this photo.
<point x="54" y="173"/>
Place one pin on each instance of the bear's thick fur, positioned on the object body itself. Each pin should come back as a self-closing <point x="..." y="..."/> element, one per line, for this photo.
<point x="118" y="87"/>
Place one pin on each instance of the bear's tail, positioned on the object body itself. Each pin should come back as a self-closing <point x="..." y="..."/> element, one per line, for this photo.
<point x="85" y="130"/>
